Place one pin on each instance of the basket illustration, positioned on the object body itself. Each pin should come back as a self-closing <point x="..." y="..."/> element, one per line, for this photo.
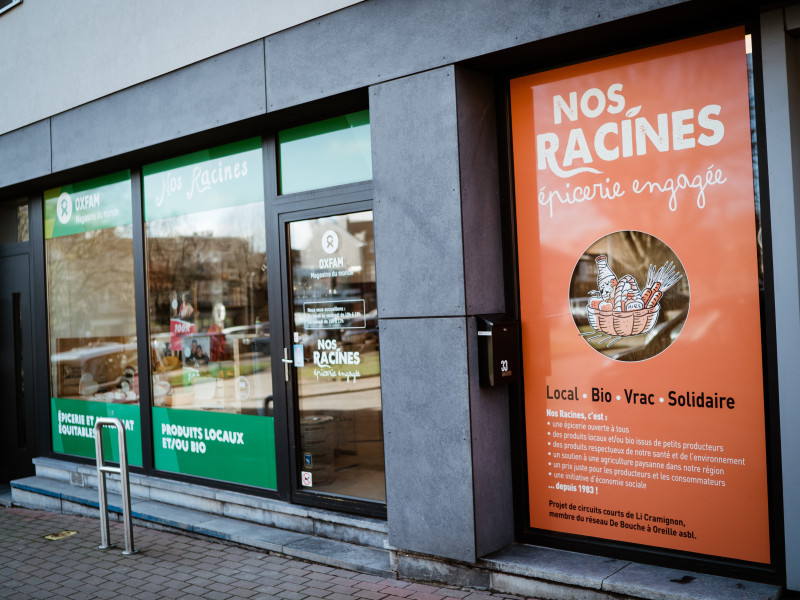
<point x="624" y="322"/>
<point x="620" y="311"/>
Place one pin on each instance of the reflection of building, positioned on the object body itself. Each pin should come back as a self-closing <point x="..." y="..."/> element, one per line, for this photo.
<point x="346" y="273"/>
<point x="100" y="292"/>
<point x="433" y="79"/>
<point x="215" y="270"/>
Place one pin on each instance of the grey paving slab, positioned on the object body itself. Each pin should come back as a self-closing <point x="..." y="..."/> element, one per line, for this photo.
<point x="166" y="514"/>
<point x="263" y="503"/>
<point x="525" y="586"/>
<point x="246" y="533"/>
<point x="657" y="583"/>
<point x="192" y="501"/>
<point x="554" y="565"/>
<point x="342" y="555"/>
<point x="266" y="511"/>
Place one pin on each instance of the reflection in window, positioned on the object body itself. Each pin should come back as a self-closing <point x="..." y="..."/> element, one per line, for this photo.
<point x="207" y="281"/>
<point x="92" y="320"/>
<point x="91" y="316"/>
<point x="336" y="335"/>
<point x="14" y="222"/>
<point x="209" y="318"/>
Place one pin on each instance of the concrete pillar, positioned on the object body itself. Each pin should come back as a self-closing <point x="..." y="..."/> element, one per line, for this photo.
<point x="438" y="254"/>
<point x="781" y="95"/>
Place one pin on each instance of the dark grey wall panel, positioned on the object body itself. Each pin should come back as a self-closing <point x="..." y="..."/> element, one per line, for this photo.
<point x="417" y="202"/>
<point x="491" y="458"/>
<point x="781" y="58"/>
<point x="220" y="90"/>
<point x="25" y="153"/>
<point x="427" y="436"/>
<point x="383" y="39"/>
<point x="480" y="195"/>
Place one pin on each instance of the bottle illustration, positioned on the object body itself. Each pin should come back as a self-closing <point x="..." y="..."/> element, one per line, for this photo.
<point x="605" y="276"/>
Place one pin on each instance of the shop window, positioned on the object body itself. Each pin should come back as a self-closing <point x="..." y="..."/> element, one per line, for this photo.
<point x="91" y="318"/>
<point x="640" y="280"/>
<point x="208" y="313"/>
<point x="326" y="153"/>
<point x="14" y="222"/>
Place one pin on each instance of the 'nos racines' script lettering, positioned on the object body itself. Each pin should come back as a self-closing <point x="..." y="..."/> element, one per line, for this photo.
<point x="203" y="178"/>
<point x="624" y="137"/>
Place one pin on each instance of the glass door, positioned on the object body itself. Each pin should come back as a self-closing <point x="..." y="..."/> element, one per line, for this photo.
<point x="331" y="359"/>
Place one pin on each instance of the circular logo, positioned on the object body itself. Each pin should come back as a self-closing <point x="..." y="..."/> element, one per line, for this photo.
<point x="330" y="241"/>
<point x="243" y="388"/>
<point x="629" y="296"/>
<point x="219" y="312"/>
<point x="64" y="208"/>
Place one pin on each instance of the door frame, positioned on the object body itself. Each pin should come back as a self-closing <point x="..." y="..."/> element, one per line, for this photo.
<point x="22" y="465"/>
<point x="280" y="210"/>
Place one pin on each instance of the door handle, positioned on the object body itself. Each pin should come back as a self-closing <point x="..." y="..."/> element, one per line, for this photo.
<point x="286" y="362"/>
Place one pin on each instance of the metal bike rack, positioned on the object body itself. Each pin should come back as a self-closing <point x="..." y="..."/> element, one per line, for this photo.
<point x="102" y="469"/>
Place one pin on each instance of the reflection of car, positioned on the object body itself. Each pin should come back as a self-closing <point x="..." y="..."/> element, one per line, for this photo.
<point x="257" y="330"/>
<point x="252" y="339"/>
<point x="96" y="367"/>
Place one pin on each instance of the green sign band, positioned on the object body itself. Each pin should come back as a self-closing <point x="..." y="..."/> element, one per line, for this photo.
<point x="72" y="424"/>
<point x="229" y="175"/>
<point x="326" y="153"/>
<point x="228" y="447"/>
<point x="89" y="205"/>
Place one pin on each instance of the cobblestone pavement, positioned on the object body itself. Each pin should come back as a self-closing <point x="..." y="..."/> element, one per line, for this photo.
<point x="171" y="565"/>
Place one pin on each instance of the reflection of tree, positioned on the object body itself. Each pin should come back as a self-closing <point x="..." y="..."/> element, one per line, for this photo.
<point x="216" y="269"/>
<point x="14" y="221"/>
<point x="91" y="300"/>
<point x="357" y="249"/>
<point x="22" y="223"/>
<point x="90" y="284"/>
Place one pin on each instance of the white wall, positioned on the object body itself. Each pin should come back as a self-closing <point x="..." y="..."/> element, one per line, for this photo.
<point x="58" y="54"/>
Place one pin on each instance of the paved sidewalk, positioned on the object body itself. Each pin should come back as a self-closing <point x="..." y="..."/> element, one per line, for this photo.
<point x="171" y="565"/>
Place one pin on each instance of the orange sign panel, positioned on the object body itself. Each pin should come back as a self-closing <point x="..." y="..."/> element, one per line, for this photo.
<point x="639" y="290"/>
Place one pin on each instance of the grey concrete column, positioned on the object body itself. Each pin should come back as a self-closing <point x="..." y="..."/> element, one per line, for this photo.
<point x="781" y="96"/>
<point x="437" y="246"/>
<point x="484" y="285"/>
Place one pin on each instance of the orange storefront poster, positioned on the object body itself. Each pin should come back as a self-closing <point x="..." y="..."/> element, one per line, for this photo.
<point x="639" y="289"/>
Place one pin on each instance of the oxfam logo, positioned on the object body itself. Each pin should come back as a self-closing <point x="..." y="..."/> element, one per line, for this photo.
<point x="330" y="241"/>
<point x="64" y="208"/>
